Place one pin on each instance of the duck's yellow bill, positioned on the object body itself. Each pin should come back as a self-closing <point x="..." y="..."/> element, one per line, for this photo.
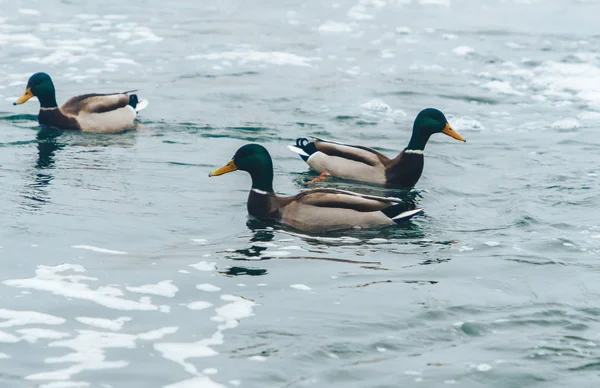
<point x="229" y="167"/>
<point x="25" y="97"/>
<point x="452" y="133"/>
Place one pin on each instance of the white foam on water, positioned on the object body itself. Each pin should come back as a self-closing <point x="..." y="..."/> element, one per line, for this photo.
<point x="503" y="87"/>
<point x="208" y="287"/>
<point x="97" y="249"/>
<point x="28" y="11"/>
<point x="196" y="382"/>
<point x="269" y="57"/>
<point x="484" y="367"/>
<point x="8" y="338"/>
<point x="230" y="314"/>
<point x="293" y="248"/>
<point x="200" y="241"/>
<point x="63" y="27"/>
<point x="204" y="266"/>
<point x="465" y="123"/>
<point x="257" y="358"/>
<point x="378" y="241"/>
<point x="144" y="35"/>
<point x="21" y="318"/>
<point x="492" y="243"/>
<point x="513" y="45"/>
<point x="588" y="115"/>
<point x="465" y="248"/>
<point x="22" y="40"/>
<point x="377" y="105"/>
<point x="31" y="335"/>
<point x="443" y="3"/>
<point x="103" y="323"/>
<point x="265" y="244"/>
<point x="300" y="287"/>
<point x="81" y="44"/>
<point x="450" y="37"/>
<point x="463" y="50"/>
<point x="343" y="239"/>
<point x="123" y="61"/>
<point x="199" y="305"/>
<point x="164" y="288"/>
<point x="65" y="384"/>
<point x="50" y="278"/>
<point x="235" y="382"/>
<point x="358" y="12"/>
<point x="275" y="253"/>
<point x="88" y="354"/>
<point x="179" y="352"/>
<point x="334" y="27"/>
<point x="115" y="17"/>
<point x="569" y="79"/>
<point x="381" y="350"/>
<point x="157" y="334"/>
<point x="4" y="356"/>
<point x="566" y="124"/>
<point x="210" y="371"/>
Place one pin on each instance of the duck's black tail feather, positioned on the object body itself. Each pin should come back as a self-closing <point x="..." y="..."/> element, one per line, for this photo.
<point x="307" y="146"/>
<point x="133" y="100"/>
<point x="401" y="212"/>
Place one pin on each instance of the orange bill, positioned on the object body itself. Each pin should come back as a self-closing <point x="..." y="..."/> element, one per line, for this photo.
<point x="229" y="167"/>
<point x="452" y="133"/>
<point x="25" y="97"/>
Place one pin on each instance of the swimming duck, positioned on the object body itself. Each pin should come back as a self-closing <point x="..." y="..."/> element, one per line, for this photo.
<point x="366" y="164"/>
<point x="105" y="113"/>
<point x="315" y="210"/>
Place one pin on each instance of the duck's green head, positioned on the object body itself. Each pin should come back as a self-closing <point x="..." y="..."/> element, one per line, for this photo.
<point x="39" y="85"/>
<point x="254" y="159"/>
<point x="428" y="122"/>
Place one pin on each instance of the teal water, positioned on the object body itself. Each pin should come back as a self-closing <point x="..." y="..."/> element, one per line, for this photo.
<point x="123" y="265"/>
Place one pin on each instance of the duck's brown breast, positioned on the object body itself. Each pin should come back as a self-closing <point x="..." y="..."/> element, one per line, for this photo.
<point x="263" y="205"/>
<point x="405" y="170"/>
<point x="56" y="118"/>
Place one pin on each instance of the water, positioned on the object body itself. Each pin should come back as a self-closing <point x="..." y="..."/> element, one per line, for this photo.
<point x="123" y="264"/>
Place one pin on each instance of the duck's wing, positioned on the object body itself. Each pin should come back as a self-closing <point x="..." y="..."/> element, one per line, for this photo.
<point x="343" y="160"/>
<point x="324" y="197"/>
<point x="394" y="208"/>
<point x="97" y="103"/>
<point x="321" y="210"/>
<point x="105" y="113"/>
<point x="306" y="148"/>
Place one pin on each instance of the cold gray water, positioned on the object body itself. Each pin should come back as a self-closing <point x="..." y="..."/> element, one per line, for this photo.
<point x="123" y="265"/>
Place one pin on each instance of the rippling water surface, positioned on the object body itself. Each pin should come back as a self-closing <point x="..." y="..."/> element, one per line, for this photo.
<point x="124" y="265"/>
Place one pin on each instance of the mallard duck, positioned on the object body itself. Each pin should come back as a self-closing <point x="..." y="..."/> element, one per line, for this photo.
<point x="366" y="164"/>
<point x="316" y="210"/>
<point x="106" y="113"/>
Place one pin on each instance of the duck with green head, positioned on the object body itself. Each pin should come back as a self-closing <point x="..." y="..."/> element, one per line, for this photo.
<point x="366" y="164"/>
<point x="316" y="210"/>
<point x="106" y="113"/>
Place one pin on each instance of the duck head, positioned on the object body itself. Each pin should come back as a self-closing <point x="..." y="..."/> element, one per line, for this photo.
<point x="254" y="159"/>
<point x="428" y="122"/>
<point x="40" y="85"/>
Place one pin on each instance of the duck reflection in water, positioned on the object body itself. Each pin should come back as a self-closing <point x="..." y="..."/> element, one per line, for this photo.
<point x="47" y="145"/>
